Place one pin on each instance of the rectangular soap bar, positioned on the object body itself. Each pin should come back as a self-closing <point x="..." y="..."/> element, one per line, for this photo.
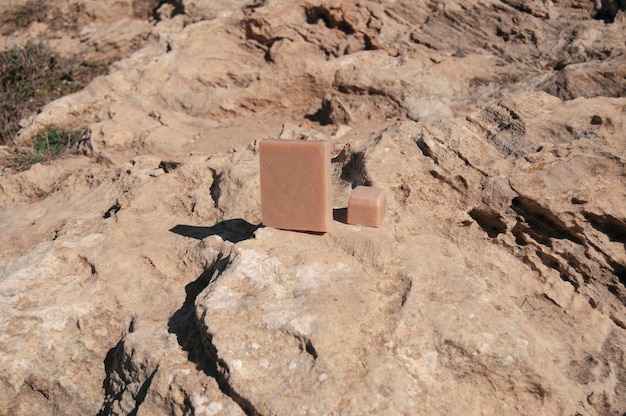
<point x="295" y="185"/>
<point x="367" y="206"/>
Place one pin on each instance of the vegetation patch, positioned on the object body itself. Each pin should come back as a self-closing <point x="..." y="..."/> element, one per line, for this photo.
<point x="50" y="144"/>
<point x="22" y="16"/>
<point x="32" y="76"/>
<point x="18" y="17"/>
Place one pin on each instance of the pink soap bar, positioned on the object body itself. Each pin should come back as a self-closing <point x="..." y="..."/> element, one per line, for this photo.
<point x="295" y="185"/>
<point x="367" y="206"/>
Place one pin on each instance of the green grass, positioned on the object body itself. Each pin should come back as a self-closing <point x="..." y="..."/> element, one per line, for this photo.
<point x="50" y="144"/>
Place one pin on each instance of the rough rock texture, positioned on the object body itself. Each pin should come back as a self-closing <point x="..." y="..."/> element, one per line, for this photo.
<point x="136" y="278"/>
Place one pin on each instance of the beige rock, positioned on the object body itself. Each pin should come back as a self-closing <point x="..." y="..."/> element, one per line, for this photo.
<point x="585" y="80"/>
<point x="118" y="38"/>
<point x="137" y="278"/>
<point x="206" y="9"/>
<point x="282" y="291"/>
<point x="147" y="367"/>
<point x="468" y="256"/>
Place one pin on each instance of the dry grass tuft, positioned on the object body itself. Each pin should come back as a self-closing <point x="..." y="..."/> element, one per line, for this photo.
<point x="50" y="144"/>
<point x="32" y="76"/>
<point x="22" y="16"/>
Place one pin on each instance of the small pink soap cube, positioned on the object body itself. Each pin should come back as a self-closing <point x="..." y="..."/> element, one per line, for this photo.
<point x="295" y="185"/>
<point x="367" y="206"/>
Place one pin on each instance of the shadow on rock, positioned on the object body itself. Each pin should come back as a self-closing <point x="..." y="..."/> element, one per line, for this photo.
<point x="203" y="354"/>
<point x="233" y="230"/>
<point x="183" y="322"/>
<point x="340" y="215"/>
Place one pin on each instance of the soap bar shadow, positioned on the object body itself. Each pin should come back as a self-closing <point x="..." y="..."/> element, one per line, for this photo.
<point x="340" y="215"/>
<point x="233" y="230"/>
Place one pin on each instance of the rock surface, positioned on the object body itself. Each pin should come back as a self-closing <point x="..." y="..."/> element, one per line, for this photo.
<point x="136" y="277"/>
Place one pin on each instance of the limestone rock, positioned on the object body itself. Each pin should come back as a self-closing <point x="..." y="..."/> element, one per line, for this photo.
<point x="585" y="80"/>
<point x="345" y="320"/>
<point x="147" y="374"/>
<point x="136" y="277"/>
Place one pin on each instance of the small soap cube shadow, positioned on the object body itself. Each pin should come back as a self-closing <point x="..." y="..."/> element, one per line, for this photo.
<point x="340" y="215"/>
